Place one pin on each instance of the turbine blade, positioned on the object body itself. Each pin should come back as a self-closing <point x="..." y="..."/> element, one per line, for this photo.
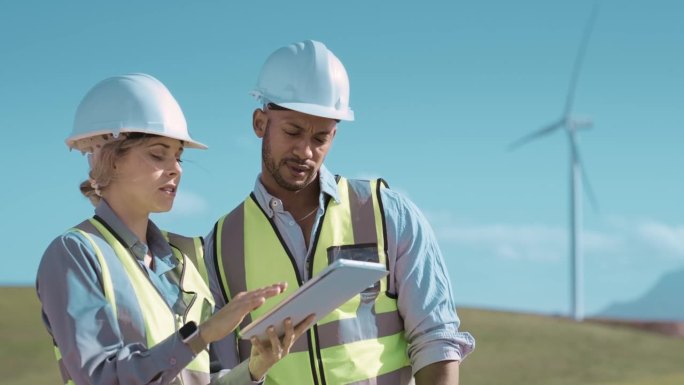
<point x="585" y="179"/>
<point x="570" y="98"/>
<point x="536" y="134"/>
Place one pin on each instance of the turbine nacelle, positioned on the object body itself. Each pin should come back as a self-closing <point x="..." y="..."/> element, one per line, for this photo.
<point x="578" y="123"/>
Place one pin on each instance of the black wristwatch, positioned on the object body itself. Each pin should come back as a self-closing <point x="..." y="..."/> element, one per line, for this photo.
<point x="190" y="335"/>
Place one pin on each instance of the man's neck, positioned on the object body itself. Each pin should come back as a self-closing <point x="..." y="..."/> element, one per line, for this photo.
<point x="296" y="201"/>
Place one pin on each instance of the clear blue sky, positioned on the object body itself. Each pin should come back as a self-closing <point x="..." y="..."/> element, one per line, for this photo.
<point x="439" y="89"/>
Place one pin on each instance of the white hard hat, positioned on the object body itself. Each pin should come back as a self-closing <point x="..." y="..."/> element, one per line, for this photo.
<point x="128" y="103"/>
<point x="306" y="77"/>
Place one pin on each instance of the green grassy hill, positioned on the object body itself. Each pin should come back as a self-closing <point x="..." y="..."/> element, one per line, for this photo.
<point x="530" y="349"/>
<point x="26" y="354"/>
<point x="511" y="349"/>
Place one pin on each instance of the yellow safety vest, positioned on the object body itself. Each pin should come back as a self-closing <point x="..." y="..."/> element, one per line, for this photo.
<point x="361" y="342"/>
<point x="159" y="320"/>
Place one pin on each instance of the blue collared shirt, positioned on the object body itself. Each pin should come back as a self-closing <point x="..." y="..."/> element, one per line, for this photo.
<point x="81" y="321"/>
<point x="419" y="275"/>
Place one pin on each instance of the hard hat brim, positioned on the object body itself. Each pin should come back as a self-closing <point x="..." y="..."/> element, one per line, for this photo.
<point x="73" y="141"/>
<point x="316" y="110"/>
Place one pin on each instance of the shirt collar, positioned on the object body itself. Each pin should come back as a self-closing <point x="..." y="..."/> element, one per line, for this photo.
<point x="328" y="185"/>
<point x="158" y="246"/>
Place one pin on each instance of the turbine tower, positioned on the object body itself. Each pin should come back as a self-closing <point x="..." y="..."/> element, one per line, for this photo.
<point x="571" y="124"/>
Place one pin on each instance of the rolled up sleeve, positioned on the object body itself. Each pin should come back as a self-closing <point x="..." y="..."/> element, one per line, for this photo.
<point x="423" y="287"/>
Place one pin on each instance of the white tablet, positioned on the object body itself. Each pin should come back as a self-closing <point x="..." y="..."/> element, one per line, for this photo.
<point x="333" y="286"/>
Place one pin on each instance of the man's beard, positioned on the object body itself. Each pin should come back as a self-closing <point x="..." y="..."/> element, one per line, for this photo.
<point x="274" y="170"/>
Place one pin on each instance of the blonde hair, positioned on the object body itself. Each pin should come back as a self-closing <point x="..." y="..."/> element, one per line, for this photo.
<point x="102" y="171"/>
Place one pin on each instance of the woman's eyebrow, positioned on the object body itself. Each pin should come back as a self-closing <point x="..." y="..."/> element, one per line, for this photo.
<point x="159" y="144"/>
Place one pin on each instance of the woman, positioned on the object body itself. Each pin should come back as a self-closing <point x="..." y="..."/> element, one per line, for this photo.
<point x="123" y="300"/>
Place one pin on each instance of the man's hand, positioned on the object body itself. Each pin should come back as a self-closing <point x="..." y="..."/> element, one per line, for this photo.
<point x="266" y="354"/>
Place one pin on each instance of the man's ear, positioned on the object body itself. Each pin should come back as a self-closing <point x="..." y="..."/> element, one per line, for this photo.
<point x="259" y="122"/>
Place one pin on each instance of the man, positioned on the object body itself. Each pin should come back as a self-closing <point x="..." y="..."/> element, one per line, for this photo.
<point x="300" y="218"/>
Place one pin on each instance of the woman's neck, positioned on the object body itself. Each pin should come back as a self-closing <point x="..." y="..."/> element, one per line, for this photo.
<point x="135" y="220"/>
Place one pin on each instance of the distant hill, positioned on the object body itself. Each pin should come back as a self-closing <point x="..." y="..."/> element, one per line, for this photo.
<point x="664" y="302"/>
<point x="512" y="349"/>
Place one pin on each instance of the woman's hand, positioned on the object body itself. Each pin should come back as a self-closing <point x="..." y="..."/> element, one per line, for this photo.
<point x="265" y="354"/>
<point x="229" y="317"/>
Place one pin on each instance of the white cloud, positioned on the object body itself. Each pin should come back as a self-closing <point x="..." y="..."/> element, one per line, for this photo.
<point x="520" y="241"/>
<point x="619" y="237"/>
<point x="508" y="241"/>
<point x="669" y="239"/>
<point x="596" y="241"/>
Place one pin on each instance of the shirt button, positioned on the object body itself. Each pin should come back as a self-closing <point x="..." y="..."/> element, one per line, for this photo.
<point x="291" y="223"/>
<point x="274" y="203"/>
<point x="172" y="361"/>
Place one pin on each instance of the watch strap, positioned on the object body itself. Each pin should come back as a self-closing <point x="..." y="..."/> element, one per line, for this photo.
<point x="193" y="339"/>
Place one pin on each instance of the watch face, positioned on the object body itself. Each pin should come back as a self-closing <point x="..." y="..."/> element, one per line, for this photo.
<point x="188" y="329"/>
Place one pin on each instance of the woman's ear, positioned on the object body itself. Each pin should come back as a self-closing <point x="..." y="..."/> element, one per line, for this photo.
<point x="259" y="122"/>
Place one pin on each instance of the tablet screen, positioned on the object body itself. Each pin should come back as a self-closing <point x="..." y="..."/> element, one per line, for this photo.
<point x="333" y="286"/>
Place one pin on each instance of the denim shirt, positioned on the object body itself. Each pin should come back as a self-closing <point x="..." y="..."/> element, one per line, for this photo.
<point x="81" y="321"/>
<point x="419" y="276"/>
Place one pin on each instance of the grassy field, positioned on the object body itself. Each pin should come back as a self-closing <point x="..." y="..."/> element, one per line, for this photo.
<point x="529" y="349"/>
<point x="511" y="349"/>
<point x="26" y="355"/>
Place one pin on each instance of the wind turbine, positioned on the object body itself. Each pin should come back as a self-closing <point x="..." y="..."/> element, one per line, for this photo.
<point x="571" y="124"/>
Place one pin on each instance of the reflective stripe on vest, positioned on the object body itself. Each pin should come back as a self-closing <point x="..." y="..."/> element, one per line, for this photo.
<point x="360" y="342"/>
<point x="158" y="318"/>
<point x="193" y="248"/>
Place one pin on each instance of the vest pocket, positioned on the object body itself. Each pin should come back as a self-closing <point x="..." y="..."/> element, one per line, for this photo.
<point x="366" y="252"/>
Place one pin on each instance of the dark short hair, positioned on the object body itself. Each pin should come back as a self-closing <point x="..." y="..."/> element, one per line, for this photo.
<point x="273" y="106"/>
